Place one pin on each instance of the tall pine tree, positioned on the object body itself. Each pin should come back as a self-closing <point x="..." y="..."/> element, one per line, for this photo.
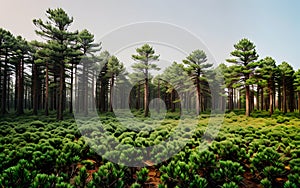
<point x="245" y="57"/>
<point x="145" y="58"/>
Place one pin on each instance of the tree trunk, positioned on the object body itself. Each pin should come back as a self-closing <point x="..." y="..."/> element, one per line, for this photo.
<point x="86" y="94"/>
<point x="284" y="106"/>
<point x="4" y="87"/>
<point x="239" y="100"/>
<point x="158" y="96"/>
<point x="198" y="98"/>
<point x="47" y="91"/>
<point x="61" y="93"/>
<point x="8" y="93"/>
<point x="299" y="101"/>
<point x="111" y="93"/>
<point x="146" y="102"/>
<point x="71" y="90"/>
<point x="257" y="98"/>
<point x="247" y="101"/>
<point x="292" y="98"/>
<point x="279" y="97"/>
<point x="172" y="100"/>
<point x="271" y="99"/>
<point x="138" y="104"/>
<point x="16" y="86"/>
<point x="262" y="98"/>
<point x="34" y="89"/>
<point x="20" y="106"/>
<point x="93" y="100"/>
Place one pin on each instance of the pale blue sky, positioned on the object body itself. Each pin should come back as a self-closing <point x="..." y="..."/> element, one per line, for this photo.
<point x="273" y="25"/>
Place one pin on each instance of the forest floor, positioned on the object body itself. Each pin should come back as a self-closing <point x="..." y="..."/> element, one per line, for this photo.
<point x="249" y="152"/>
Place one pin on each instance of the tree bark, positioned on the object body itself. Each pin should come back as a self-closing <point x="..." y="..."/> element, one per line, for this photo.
<point x="146" y="102"/>
<point x="47" y="91"/>
<point x="248" y="100"/>
<point x="257" y="98"/>
<point x="198" y="98"/>
<point x="4" y="87"/>
<point x="158" y="96"/>
<point x="111" y="93"/>
<point x="271" y="99"/>
<point x="20" y="107"/>
<point x="71" y="90"/>
<point x="299" y="101"/>
<point x="61" y="92"/>
<point x="284" y="105"/>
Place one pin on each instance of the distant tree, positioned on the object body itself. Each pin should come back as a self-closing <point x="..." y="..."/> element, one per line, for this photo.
<point x="22" y="56"/>
<point x="145" y="58"/>
<point x="286" y="73"/>
<point x="229" y="81"/>
<point x="245" y="57"/>
<point x="174" y="76"/>
<point x="267" y="71"/>
<point x="87" y="47"/>
<point x="196" y="66"/>
<point x="102" y="82"/>
<point x="7" y="45"/>
<point x="114" y="68"/>
<point x="297" y="86"/>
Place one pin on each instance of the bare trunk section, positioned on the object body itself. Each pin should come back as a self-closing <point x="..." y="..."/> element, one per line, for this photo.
<point x="111" y="93"/>
<point x="47" y="91"/>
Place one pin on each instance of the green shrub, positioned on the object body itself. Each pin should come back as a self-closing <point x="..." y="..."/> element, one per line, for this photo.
<point x="142" y="176"/>
<point x="293" y="181"/>
<point x="266" y="183"/>
<point x="108" y="175"/>
<point x="202" y="162"/>
<point x="230" y="185"/>
<point x="80" y="180"/>
<point x="227" y="171"/>
<point x="136" y="185"/>
<point x="37" y="124"/>
<point x="281" y="119"/>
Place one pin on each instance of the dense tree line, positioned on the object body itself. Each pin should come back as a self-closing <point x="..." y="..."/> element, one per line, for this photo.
<point x="66" y="66"/>
<point x="259" y="84"/>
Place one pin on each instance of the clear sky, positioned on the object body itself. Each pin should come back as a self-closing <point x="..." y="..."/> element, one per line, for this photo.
<point x="273" y="25"/>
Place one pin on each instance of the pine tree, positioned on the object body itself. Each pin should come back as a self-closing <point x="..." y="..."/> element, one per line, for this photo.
<point x="245" y="57"/>
<point x="22" y="56"/>
<point x="286" y="73"/>
<point x="114" y="68"/>
<point x="267" y="71"/>
<point x="144" y="64"/>
<point x="174" y="77"/>
<point x="297" y="86"/>
<point x="58" y="42"/>
<point x="7" y="45"/>
<point x="196" y="67"/>
<point x="88" y="47"/>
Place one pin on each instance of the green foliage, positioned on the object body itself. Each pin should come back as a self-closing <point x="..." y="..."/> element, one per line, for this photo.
<point x="267" y="157"/>
<point x="281" y="119"/>
<point x="17" y="176"/>
<point x="108" y="175"/>
<point x="142" y="176"/>
<point x="230" y="185"/>
<point x="80" y="180"/>
<point x="228" y="171"/>
<point x="266" y="183"/>
<point x="54" y="151"/>
<point x="135" y="185"/>
<point x="204" y="161"/>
